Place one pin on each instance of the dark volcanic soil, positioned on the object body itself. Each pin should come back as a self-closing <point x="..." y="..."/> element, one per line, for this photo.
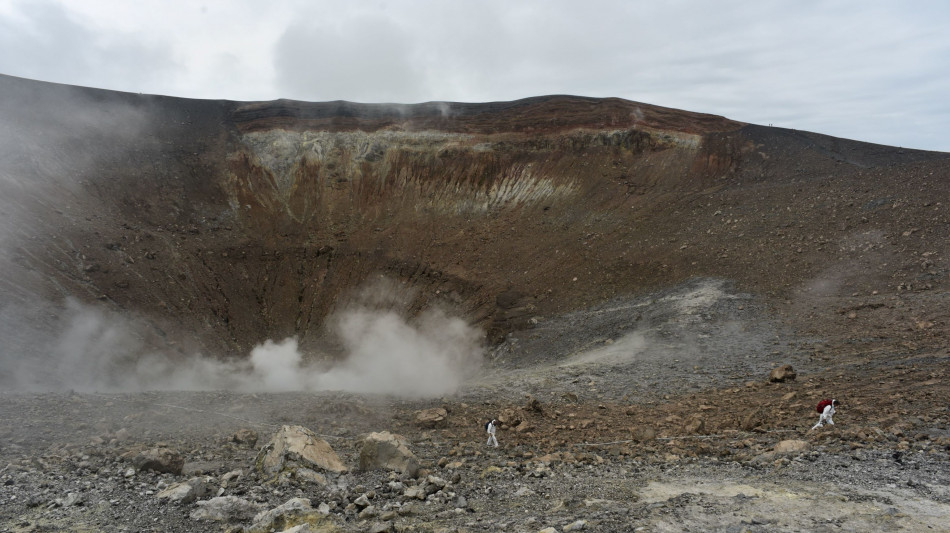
<point x="659" y="458"/>
<point x="670" y="428"/>
<point x="634" y="272"/>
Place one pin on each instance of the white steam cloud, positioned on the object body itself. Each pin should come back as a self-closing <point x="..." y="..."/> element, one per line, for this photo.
<point x="384" y="353"/>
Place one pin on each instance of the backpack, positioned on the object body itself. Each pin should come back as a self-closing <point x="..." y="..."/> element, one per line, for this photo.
<point x="822" y="404"/>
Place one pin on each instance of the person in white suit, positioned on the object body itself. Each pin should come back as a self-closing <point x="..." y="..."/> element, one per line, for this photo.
<point x="490" y="428"/>
<point x="827" y="414"/>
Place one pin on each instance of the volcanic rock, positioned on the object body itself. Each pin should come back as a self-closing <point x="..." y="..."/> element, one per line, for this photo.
<point x="695" y="425"/>
<point x="159" y="459"/>
<point x="782" y="374"/>
<point x="431" y="418"/>
<point x="188" y="491"/>
<point x="292" y="513"/>
<point x="247" y="437"/>
<point x="643" y="433"/>
<point x="296" y="447"/>
<point x="225" y="509"/>
<point x="791" y="446"/>
<point x="387" y="451"/>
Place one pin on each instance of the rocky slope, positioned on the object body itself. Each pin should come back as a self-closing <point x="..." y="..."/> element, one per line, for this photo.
<point x="631" y="273"/>
<point x="221" y="224"/>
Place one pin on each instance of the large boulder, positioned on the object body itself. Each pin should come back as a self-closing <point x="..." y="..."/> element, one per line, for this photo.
<point x="387" y="451"/>
<point x="297" y="449"/>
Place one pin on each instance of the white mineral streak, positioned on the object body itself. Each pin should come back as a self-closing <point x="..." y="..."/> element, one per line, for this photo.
<point x="282" y="152"/>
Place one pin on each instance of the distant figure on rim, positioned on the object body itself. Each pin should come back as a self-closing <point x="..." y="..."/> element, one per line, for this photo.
<point x="490" y="428"/>
<point x="827" y="410"/>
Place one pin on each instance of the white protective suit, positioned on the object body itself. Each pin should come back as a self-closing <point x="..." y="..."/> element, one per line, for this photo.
<point x="490" y="427"/>
<point x="826" y="415"/>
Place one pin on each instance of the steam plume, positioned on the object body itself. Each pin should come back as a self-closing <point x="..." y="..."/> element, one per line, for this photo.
<point x="384" y="353"/>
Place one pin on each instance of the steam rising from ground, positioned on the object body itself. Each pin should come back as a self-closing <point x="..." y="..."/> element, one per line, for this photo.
<point x="383" y="352"/>
<point x="50" y="141"/>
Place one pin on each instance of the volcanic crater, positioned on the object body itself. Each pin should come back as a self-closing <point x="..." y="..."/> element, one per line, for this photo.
<point x="637" y="271"/>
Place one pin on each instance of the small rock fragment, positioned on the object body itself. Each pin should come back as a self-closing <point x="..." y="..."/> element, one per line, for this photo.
<point x="782" y="374"/>
<point x="225" y="509"/>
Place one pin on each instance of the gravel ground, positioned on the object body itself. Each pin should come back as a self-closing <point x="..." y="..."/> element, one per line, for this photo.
<point x="652" y="414"/>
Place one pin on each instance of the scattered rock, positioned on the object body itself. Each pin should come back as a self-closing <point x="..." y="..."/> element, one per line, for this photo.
<point x="71" y="499"/>
<point x="231" y="476"/>
<point x="509" y="418"/>
<point x="304" y="474"/>
<point x="387" y="451"/>
<point x="382" y="527"/>
<point x="198" y="468"/>
<point x="782" y="374"/>
<point x="695" y="425"/>
<point x="161" y="459"/>
<point x="431" y="418"/>
<point x="225" y="509"/>
<point x="294" y="512"/>
<point x="577" y="525"/>
<point x="415" y="492"/>
<point x="302" y="528"/>
<point x="524" y="491"/>
<point x="296" y="449"/>
<point x="246" y="437"/>
<point x="188" y="491"/>
<point x="791" y="446"/>
<point x="643" y="433"/>
<point x="752" y="420"/>
<point x="534" y="406"/>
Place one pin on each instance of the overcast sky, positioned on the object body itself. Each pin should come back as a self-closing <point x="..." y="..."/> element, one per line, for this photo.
<point x="877" y="71"/>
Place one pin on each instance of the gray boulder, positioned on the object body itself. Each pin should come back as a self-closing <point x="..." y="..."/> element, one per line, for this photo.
<point x="225" y="509"/>
<point x="295" y="448"/>
<point x="161" y="459"/>
<point x="431" y="418"/>
<point x="387" y="451"/>
<point x="188" y="491"/>
<point x="294" y="512"/>
<point x="782" y="374"/>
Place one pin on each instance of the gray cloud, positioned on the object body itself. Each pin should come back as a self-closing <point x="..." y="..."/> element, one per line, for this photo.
<point x="43" y="40"/>
<point x="871" y="70"/>
<point x="370" y="58"/>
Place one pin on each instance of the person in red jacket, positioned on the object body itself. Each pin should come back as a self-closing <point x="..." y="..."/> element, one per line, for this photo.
<point x="827" y="410"/>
